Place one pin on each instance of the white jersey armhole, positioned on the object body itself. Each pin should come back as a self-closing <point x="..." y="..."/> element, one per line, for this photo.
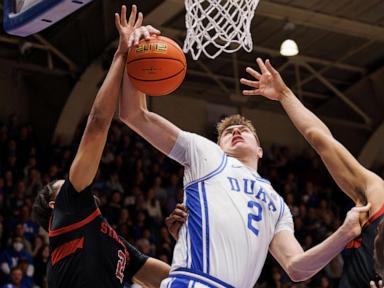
<point x="285" y="220"/>
<point x="200" y="157"/>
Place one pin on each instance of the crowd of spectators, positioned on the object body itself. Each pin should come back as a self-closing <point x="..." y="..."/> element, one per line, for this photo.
<point x="138" y="187"/>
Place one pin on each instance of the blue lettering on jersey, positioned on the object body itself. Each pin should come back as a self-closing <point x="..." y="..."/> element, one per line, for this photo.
<point x="234" y="184"/>
<point x="272" y="206"/>
<point x="261" y="195"/>
<point x="251" y="186"/>
<point x="248" y="187"/>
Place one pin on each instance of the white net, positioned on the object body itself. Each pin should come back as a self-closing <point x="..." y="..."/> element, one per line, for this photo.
<point x="216" y="26"/>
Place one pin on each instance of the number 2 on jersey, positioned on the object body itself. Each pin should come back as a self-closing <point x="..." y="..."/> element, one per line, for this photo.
<point x="120" y="267"/>
<point x="254" y="217"/>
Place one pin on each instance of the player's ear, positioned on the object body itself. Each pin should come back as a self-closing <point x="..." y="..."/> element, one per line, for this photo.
<point x="259" y="152"/>
<point x="51" y="204"/>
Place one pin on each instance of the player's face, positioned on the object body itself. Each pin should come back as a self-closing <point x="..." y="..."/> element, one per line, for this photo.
<point x="239" y="141"/>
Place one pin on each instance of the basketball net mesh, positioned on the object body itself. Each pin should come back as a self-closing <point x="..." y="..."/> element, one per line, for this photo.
<point x="216" y="26"/>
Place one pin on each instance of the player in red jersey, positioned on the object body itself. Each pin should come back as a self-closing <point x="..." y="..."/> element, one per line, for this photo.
<point x="359" y="183"/>
<point x="84" y="250"/>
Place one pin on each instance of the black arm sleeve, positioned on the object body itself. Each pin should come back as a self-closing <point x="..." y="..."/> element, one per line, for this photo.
<point x="72" y="206"/>
<point x="136" y="260"/>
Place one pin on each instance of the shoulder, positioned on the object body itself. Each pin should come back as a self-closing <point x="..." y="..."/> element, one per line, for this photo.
<point x="375" y="191"/>
<point x="195" y="139"/>
<point x="191" y="148"/>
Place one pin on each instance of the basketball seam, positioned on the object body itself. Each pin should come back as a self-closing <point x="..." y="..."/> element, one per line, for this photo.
<point x="145" y="80"/>
<point x="172" y="43"/>
<point x="161" y="58"/>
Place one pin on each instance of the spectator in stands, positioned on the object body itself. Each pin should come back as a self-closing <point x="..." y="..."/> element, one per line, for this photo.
<point x="152" y="205"/>
<point x="11" y="256"/>
<point x="15" y="281"/>
<point x="40" y="262"/>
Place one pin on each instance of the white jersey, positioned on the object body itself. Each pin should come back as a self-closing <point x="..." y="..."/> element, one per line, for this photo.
<point x="233" y="216"/>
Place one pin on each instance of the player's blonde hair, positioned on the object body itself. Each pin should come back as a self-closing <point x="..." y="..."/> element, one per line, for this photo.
<point x="232" y="120"/>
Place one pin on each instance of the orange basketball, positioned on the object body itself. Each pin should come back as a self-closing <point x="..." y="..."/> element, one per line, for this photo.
<point x="157" y="66"/>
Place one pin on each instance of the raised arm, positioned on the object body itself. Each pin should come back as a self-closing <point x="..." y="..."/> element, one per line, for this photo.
<point x="356" y="181"/>
<point x="301" y="265"/>
<point x="84" y="166"/>
<point x="158" y="131"/>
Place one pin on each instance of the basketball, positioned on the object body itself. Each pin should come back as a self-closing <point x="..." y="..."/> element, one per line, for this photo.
<point x="157" y="66"/>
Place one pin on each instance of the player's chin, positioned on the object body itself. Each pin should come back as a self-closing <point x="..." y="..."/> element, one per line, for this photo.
<point x="238" y="150"/>
<point x="239" y="146"/>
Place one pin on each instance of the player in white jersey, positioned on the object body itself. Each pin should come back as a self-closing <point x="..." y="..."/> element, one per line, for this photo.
<point x="235" y="216"/>
<point x="220" y="193"/>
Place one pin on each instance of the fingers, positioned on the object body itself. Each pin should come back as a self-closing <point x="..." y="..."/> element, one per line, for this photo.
<point x="124" y="15"/>
<point x="146" y="33"/>
<point x="142" y="32"/>
<point x="254" y="84"/>
<point x="251" y="92"/>
<point x="179" y="218"/>
<point x="117" y="22"/>
<point x="372" y="284"/>
<point x="262" y="67"/>
<point x="362" y="209"/>
<point x="253" y="73"/>
<point x="136" y="35"/>
<point x="139" y="20"/>
<point x="132" y="17"/>
<point x="270" y="68"/>
<point x="153" y="30"/>
<point x="121" y="20"/>
<point x="130" y="40"/>
<point x="181" y="207"/>
<point x="180" y="213"/>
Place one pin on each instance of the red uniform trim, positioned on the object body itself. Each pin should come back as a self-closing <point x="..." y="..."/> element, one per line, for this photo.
<point x="375" y="216"/>
<point x="74" y="226"/>
<point x="356" y="243"/>
<point x="66" y="249"/>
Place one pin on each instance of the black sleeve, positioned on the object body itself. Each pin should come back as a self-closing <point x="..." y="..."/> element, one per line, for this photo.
<point x="72" y="206"/>
<point x="136" y="260"/>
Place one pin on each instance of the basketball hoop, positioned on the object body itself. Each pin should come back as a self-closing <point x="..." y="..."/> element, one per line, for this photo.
<point x="216" y="26"/>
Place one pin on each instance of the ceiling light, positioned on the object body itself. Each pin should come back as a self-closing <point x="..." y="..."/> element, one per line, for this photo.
<point x="289" y="48"/>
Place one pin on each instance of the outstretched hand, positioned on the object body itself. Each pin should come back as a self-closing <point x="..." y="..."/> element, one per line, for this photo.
<point x="132" y="27"/>
<point x="268" y="84"/>
<point x="177" y="218"/>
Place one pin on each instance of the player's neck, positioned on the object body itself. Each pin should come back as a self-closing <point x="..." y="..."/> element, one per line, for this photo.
<point x="250" y="162"/>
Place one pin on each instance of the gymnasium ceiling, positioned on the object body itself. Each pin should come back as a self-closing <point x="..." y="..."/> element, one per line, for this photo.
<point x="339" y="72"/>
